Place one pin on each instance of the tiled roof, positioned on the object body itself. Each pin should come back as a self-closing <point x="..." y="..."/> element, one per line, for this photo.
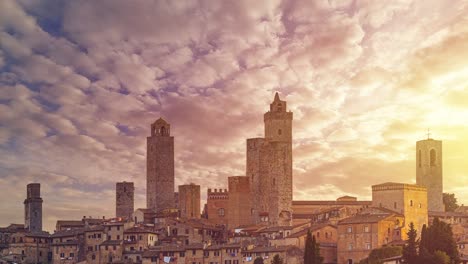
<point x="111" y="242"/>
<point x="333" y="202"/>
<point x="364" y="218"/>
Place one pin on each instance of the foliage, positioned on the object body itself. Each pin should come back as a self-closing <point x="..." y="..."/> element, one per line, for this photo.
<point x="410" y="251"/>
<point x="377" y="255"/>
<point x="312" y="250"/>
<point x="258" y="260"/>
<point x="441" y="258"/>
<point x="450" y="202"/>
<point x="439" y="237"/>
<point x="277" y="260"/>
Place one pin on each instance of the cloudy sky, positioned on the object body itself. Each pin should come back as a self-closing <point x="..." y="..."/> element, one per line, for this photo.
<point x="81" y="82"/>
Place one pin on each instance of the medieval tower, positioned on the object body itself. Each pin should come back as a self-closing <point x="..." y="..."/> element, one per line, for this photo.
<point x="33" y="208"/>
<point x="124" y="199"/>
<point x="429" y="171"/>
<point x="160" y="167"/>
<point x="189" y="201"/>
<point x="269" y="167"/>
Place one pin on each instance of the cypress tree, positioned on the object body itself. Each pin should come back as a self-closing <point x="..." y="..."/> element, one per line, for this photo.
<point x="307" y="249"/>
<point x="410" y="254"/>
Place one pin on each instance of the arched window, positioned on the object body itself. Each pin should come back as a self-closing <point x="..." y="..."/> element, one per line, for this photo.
<point x="411" y="202"/>
<point x="433" y="158"/>
<point x="163" y="131"/>
<point x="419" y="158"/>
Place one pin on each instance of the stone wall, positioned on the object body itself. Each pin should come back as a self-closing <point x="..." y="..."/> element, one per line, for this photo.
<point x="160" y="167"/>
<point x="239" y="201"/>
<point x="124" y="199"/>
<point x="189" y="201"/>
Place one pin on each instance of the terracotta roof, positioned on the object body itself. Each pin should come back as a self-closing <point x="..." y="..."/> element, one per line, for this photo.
<point x="111" y="242"/>
<point x="65" y="233"/>
<point x="333" y="202"/>
<point x="313" y="228"/>
<point x="364" y="218"/>
<point x="65" y="243"/>
<point x="274" y="229"/>
<point x="138" y="229"/>
<point x="70" y="222"/>
<point x="266" y="249"/>
<point x="195" y="246"/>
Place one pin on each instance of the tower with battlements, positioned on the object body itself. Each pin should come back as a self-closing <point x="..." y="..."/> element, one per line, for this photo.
<point x="269" y="167"/>
<point x="429" y="171"/>
<point x="33" y="208"/>
<point x="160" y="167"/>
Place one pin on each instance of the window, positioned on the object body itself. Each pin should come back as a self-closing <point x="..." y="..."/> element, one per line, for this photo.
<point x="216" y="253"/>
<point x="326" y="234"/>
<point x="141" y="237"/>
<point x="395" y="205"/>
<point x="274" y="181"/>
<point x="72" y="255"/>
<point x="194" y="252"/>
<point x="419" y="158"/>
<point x="350" y="246"/>
<point x="186" y="231"/>
<point x="350" y="229"/>
<point x="318" y="234"/>
<point x="433" y="158"/>
<point x="388" y="230"/>
<point x="107" y="248"/>
<point x="206" y="254"/>
<point x="411" y="202"/>
<point x="221" y="212"/>
<point x="62" y="255"/>
<point x="420" y="205"/>
<point x="366" y="229"/>
<point x="118" y="227"/>
<point x="279" y="132"/>
<point x="114" y="247"/>
<point x="118" y="237"/>
<point x="93" y="257"/>
<point x="182" y="254"/>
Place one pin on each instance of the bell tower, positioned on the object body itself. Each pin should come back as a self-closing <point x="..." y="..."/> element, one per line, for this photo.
<point x="278" y="122"/>
<point x="429" y="171"/>
<point x="160" y="167"/>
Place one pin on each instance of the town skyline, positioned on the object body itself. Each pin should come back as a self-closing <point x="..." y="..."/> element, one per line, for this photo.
<point x="363" y="88"/>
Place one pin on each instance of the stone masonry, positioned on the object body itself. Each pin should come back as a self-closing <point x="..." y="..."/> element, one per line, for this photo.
<point x="160" y="167"/>
<point x="189" y="201"/>
<point x="239" y="201"/>
<point x="124" y="199"/>
<point x="429" y="171"/>
<point x="269" y="167"/>
<point x="33" y="208"/>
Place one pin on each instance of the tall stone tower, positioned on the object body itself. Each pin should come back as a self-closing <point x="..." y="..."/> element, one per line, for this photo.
<point x="124" y="199"/>
<point x="429" y="171"/>
<point x="269" y="167"/>
<point x="239" y="202"/>
<point x="160" y="167"/>
<point x="33" y="208"/>
<point x="189" y="201"/>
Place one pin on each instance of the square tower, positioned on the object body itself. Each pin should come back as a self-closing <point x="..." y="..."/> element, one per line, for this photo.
<point x="124" y="199"/>
<point x="33" y="208"/>
<point x="239" y="201"/>
<point x="160" y="167"/>
<point x="189" y="201"/>
<point x="429" y="171"/>
<point x="269" y="167"/>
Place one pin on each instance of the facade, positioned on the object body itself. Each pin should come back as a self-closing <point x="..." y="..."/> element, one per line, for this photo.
<point x="33" y="208"/>
<point x="239" y="201"/>
<point x="217" y="203"/>
<point x="124" y="199"/>
<point x="189" y="201"/>
<point x="269" y="167"/>
<point x="429" y="171"/>
<point x="160" y="167"/>
<point x="358" y="235"/>
<point x="407" y="199"/>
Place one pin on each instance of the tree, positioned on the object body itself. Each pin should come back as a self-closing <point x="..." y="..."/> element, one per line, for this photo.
<point x="258" y="260"/>
<point x="450" y="202"/>
<point x="378" y="254"/>
<point x="312" y="250"/>
<point x="410" y="251"/>
<point x="441" y="258"/>
<point x="277" y="260"/>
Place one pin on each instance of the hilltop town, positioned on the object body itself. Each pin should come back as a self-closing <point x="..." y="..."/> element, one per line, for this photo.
<point x="255" y="216"/>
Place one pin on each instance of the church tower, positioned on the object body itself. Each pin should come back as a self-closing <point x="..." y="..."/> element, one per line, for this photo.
<point x="160" y="167"/>
<point x="429" y="171"/>
<point x="33" y="208"/>
<point x="269" y="167"/>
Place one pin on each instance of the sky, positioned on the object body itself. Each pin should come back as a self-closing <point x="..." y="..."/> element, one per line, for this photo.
<point x="82" y="81"/>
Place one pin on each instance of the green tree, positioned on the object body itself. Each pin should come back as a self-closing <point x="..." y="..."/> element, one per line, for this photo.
<point x="308" y="250"/>
<point x="450" y="202"/>
<point x="441" y="258"/>
<point x="277" y="260"/>
<point x="410" y="251"/>
<point x="316" y="258"/>
<point x="258" y="260"/>
<point x="378" y="254"/>
<point x="439" y="237"/>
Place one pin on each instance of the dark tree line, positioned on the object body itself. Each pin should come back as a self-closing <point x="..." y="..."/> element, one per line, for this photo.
<point x="312" y="250"/>
<point x="436" y="245"/>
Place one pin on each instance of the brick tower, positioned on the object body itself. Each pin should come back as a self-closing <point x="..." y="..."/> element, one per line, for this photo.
<point x="429" y="171"/>
<point x="269" y="167"/>
<point x="160" y="167"/>
<point x="124" y="199"/>
<point x="33" y="208"/>
<point x="239" y="202"/>
<point x="189" y="201"/>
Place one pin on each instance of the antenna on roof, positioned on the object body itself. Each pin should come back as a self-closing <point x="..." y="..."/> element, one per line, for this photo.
<point x="428" y="133"/>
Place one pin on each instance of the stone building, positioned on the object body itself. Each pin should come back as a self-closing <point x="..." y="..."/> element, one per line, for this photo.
<point x="239" y="202"/>
<point x="189" y="201"/>
<point x="160" y="167"/>
<point x="269" y="167"/>
<point x="429" y="171"/>
<point x="217" y="203"/>
<point x="358" y="235"/>
<point x="124" y="199"/>
<point x="93" y="237"/>
<point x="33" y="208"/>
<point x="410" y="200"/>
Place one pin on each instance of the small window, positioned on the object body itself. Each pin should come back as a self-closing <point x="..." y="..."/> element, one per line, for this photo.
<point x="419" y="158"/>
<point x="350" y="229"/>
<point x="279" y="132"/>
<point x="350" y="246"/>
<point x="433" y="158"/>
<point x="221" y="212"/>
<point x="366" y="229"/>
<point x="411" y="202"/>
<point x="368" y="246"/>
<point x="395" y="205"/>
